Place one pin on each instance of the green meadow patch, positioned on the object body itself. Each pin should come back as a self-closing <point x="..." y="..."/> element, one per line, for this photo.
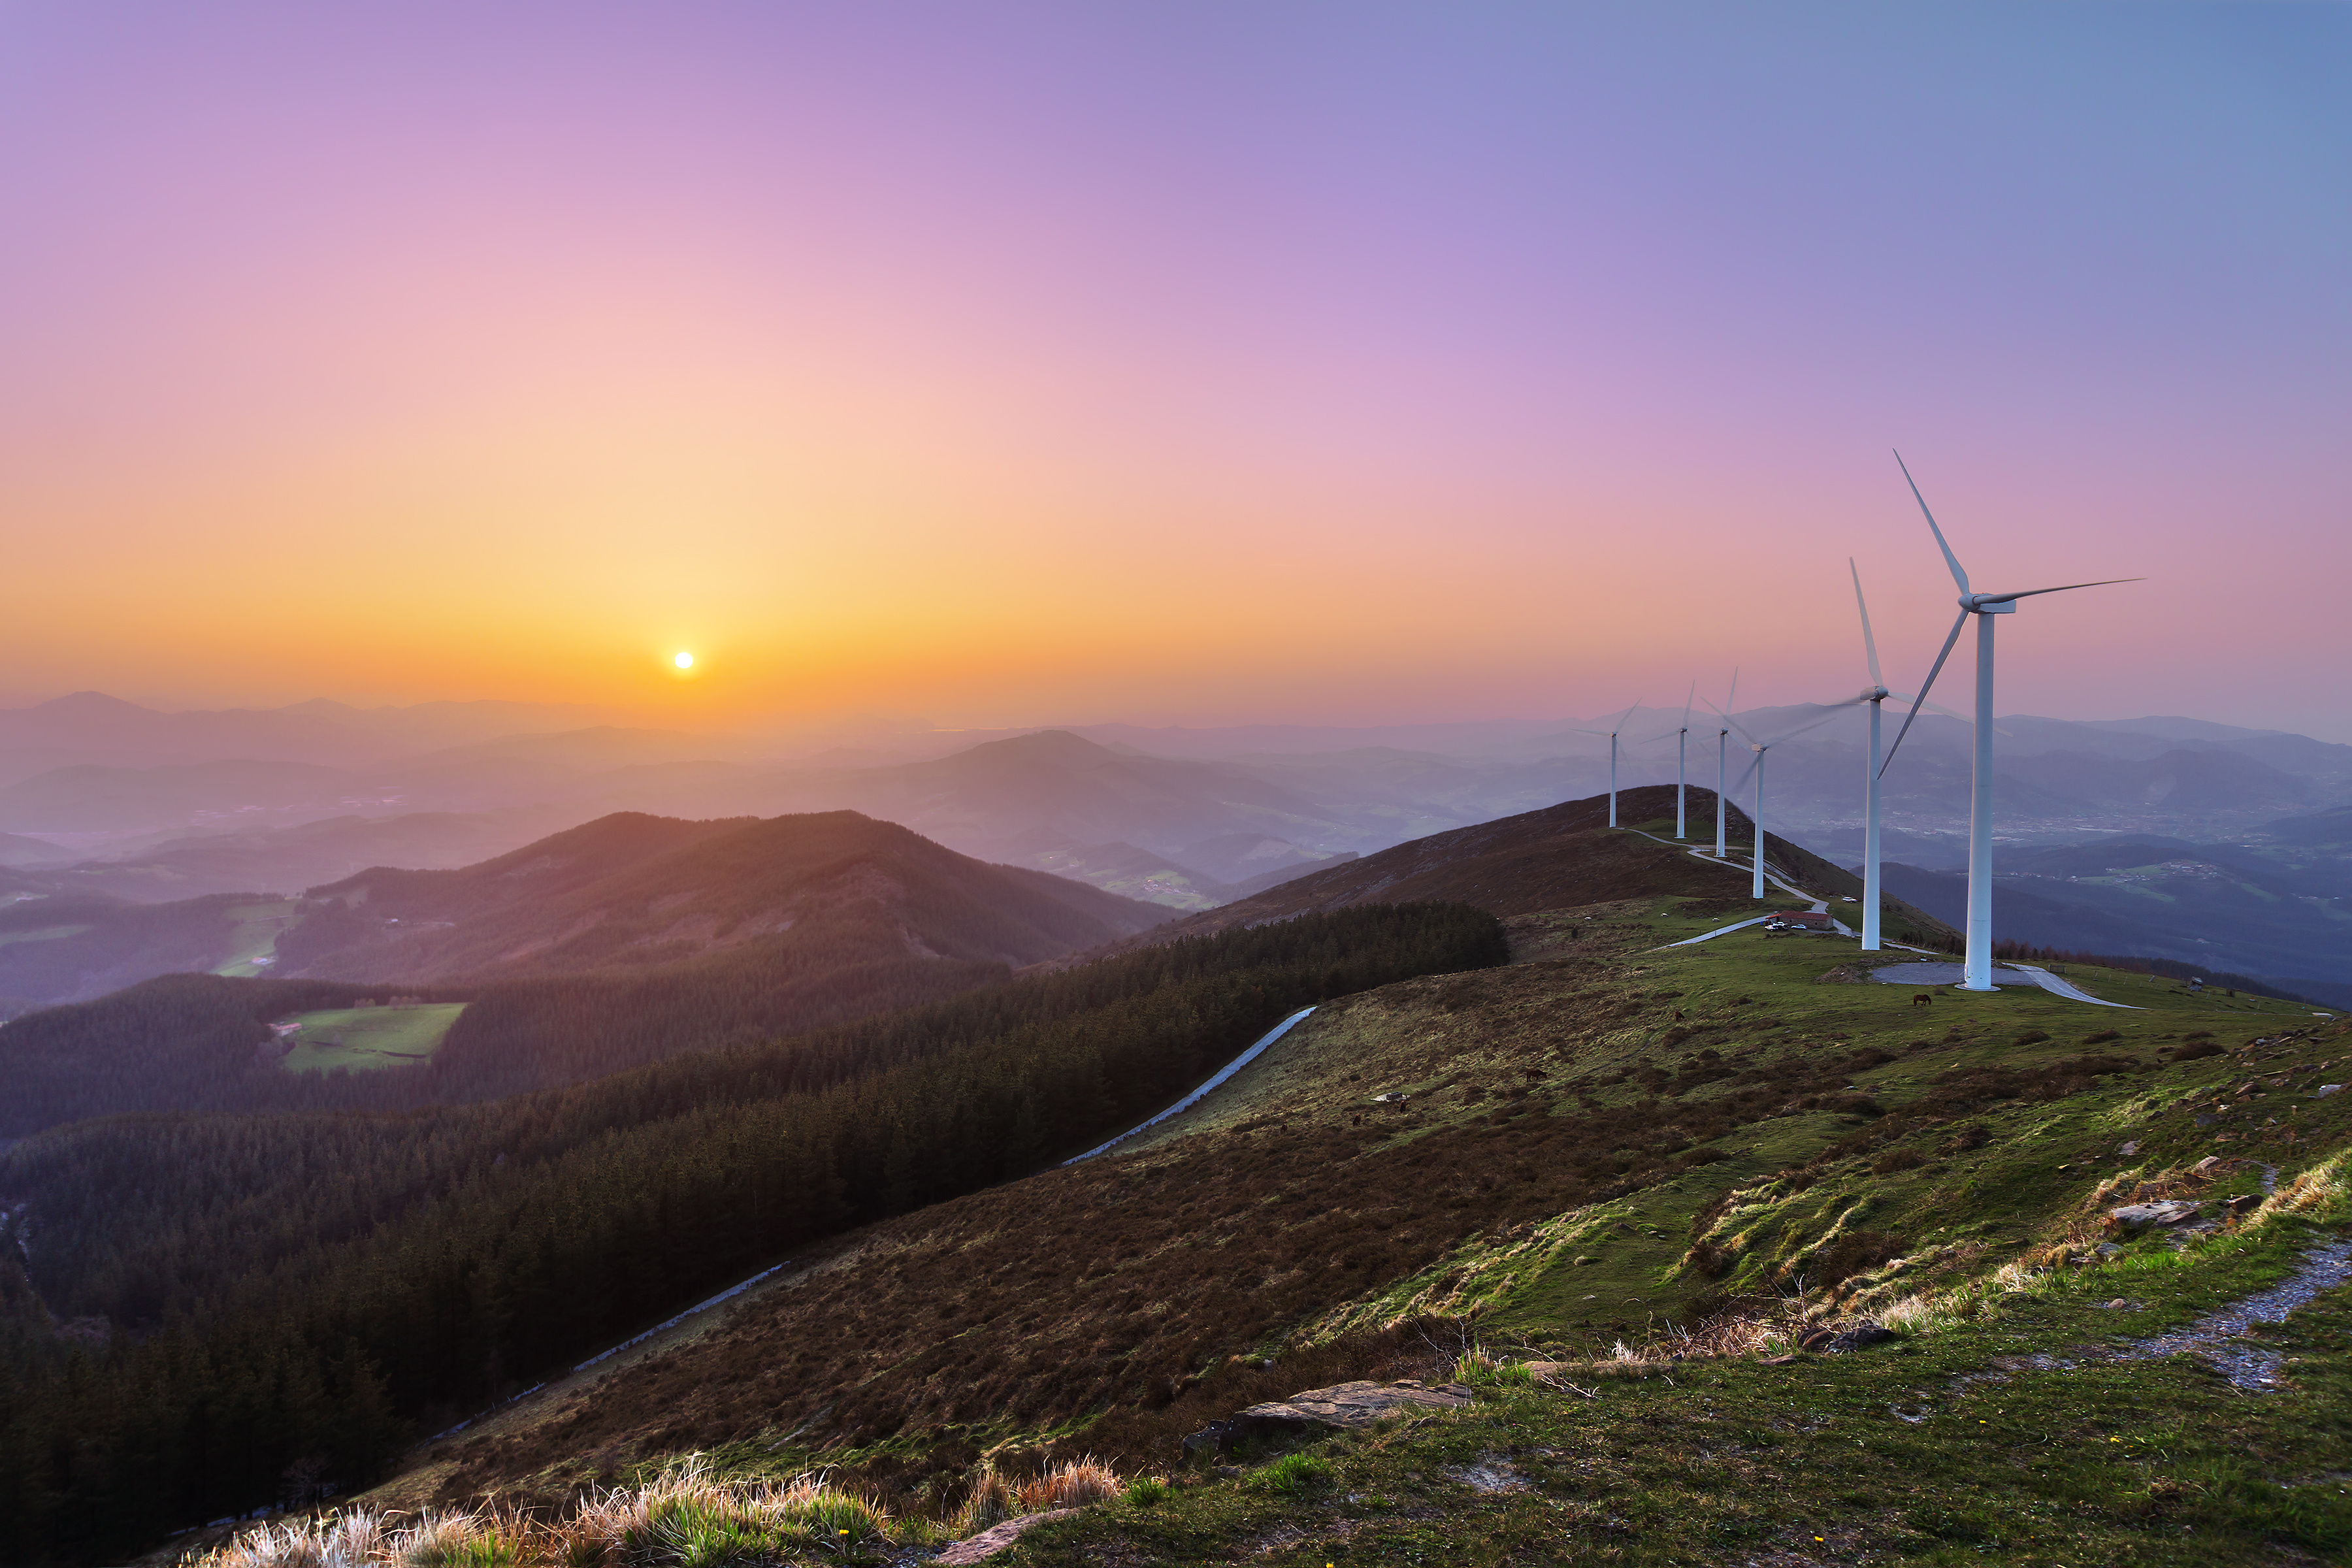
<point x="254" y="943"/>
<point x="364" y="1039"/>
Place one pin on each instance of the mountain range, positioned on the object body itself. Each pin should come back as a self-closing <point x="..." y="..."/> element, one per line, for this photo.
<point x="154" y="807"/>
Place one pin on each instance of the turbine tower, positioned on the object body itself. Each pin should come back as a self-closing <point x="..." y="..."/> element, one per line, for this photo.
<point x="1682" y="750"/>
<point x="1721" y="730"/>
<point x="1874" y="694"/>
<point x="1828" y="711"/>
<point x="1976" y="970"/>
<point x="1611" y="733"/>
<point x="1877" y="694"/>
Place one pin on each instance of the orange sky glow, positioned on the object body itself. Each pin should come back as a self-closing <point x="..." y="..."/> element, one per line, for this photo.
<point x="1087" y="367"/>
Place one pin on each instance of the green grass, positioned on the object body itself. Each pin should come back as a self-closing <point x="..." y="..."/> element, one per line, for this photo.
<point x="1965" y="1216"/>
<point x="1944" y="1447"/>
<point x="1941" y="1449"/>
<point x="256" y="942"/>
<point x="366" y="1039"/>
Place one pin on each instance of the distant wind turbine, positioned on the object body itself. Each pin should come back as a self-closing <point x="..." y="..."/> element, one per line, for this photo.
<point x="1828" y="711"/>
<point x="1976" y="971"/>
<point x="1681" y="745"/>
<point x="1611" y="733"/>
<point x="1875" y="695"/>
<point x="1721" y="730"/>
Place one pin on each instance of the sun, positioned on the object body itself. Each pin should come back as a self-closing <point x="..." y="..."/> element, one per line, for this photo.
<point x="684" y="660"/>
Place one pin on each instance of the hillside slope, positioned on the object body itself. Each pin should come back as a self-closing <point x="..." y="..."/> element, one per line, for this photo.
<point x="71" y="947"/>
<point x="1562" y="857"/>
<point x="1605" y="1138"/>
<point x="632" y="891"/>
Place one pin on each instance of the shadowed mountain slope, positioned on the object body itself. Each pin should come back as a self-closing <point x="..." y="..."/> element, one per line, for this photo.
<point x="72" y="947"/>
<point x="632" y="891"/>
<point x="624" y="941"/>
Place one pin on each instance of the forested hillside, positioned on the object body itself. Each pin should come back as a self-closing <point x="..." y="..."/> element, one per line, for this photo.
<point x="790" y="925"/>
<point x="307" y="1290"/>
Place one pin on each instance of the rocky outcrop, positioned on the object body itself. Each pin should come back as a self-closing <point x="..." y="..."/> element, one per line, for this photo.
<point x="1341" y="1407"/>
<point x="995" y="1538"/>
<point x="1838" y="1339"/>
<point x="2134" y="1217"/>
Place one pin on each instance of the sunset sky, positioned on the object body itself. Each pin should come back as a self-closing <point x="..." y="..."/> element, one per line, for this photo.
<point x="1200" y="363"/>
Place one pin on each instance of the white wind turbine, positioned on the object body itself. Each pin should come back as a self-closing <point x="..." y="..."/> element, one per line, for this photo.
<point x="1722" y="730"/>
<point x="1611" y="733"/>
<point x="1875" y="695"/>
<point x="1682" y="748"/>
<point x="1976" y="970"/>
<point x="1828" y="711"/>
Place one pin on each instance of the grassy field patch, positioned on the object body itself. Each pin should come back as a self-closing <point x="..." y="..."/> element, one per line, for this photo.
<point x="366" y="1039"/>
<point x="254" y="946"/>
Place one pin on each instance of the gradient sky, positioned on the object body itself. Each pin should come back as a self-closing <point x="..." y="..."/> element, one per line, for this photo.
<point x="1192" y="363"/>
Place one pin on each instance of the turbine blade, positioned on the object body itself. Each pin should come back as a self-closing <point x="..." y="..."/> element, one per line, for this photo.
<point x="1833" y="708"/>
<point x="2062" y="588"/>
<point x="1732" y="699"/>
<point x="1949" y="559"/>
<point x="1933" y="706"/>
<point x="1936" y="671"/>
<point x="1947" y="713"/>
<point x="1734" y="725"/>
<point x="1629" y="713"/>
<point x="1686" y="704"/>
<point x="1755" y="761"/>
<point x="1869" y="643"/>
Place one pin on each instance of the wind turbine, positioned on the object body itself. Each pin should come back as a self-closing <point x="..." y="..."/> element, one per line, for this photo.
<point x="1976" y="970"/>
<point x="1721" y="730"/>
<point x="1828" y="711"/>
<point x="1681" y="745"/>
<point x="1877" y="694"/>
<point x="1611" y="733"/>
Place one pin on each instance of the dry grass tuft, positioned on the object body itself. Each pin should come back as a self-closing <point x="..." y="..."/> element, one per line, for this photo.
<point x="681" y="1517"/>
<point x="994" y="1500"/>
<point x="2320" y="1190"/>
<point x="1073" y="1484"/>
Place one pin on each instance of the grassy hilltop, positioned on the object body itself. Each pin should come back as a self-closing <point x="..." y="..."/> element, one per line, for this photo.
<point x="1624" y="1184"/>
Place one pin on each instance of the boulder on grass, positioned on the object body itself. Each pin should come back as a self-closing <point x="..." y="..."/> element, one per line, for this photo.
<point x="2134" y="1217"/>
<point x="1855" y="1336"/>
<point x="995" y="1538"/>
<point x="1341" y="1407"/>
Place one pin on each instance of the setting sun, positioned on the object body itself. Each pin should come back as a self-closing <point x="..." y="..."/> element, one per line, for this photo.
<point x="684" y="661"/>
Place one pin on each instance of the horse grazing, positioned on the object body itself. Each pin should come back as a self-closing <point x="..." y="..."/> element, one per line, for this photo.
<point x="1921" y="999"/>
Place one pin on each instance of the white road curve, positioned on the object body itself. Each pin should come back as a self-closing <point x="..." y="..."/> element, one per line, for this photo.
<point x="1202" y="1092"/>
<point x="2057" y="987"/>
<point x="1719" y="931"/>
<point x="1948" y="973"/>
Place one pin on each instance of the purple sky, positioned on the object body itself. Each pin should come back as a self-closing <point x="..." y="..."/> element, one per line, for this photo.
<point x="1203" y="363"/>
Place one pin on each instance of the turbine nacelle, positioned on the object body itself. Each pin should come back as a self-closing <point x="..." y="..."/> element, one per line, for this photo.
<point x="1989" y="603"/>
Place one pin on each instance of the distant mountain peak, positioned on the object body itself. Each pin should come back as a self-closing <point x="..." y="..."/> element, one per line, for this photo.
<point x="1048" y="742"/>
<point x="91" y="704"/>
